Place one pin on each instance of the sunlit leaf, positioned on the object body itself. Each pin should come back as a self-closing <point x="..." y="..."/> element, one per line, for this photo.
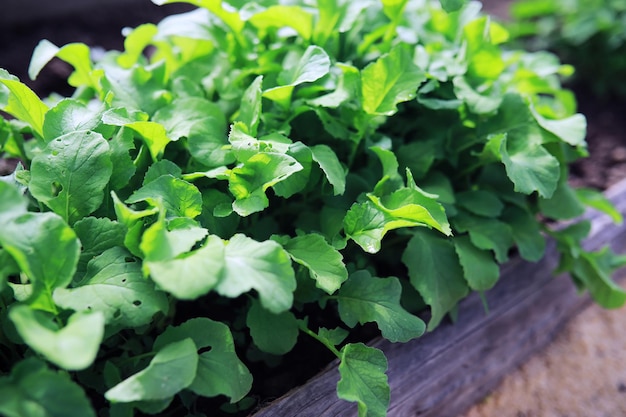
<point x="171" y="370"/>
<point x="263" y="266"/>
<point x="23" y="103"/>
<point x="279" y="16"/>
<point x="179" y="197"/>
<point x="313" y="65"/>
<point x="249" y="182"/>
<point x="73" y="347"/>
<point x="390" y="80"/>
<point x="192" y="274"/>
<point x="71" y="173"/>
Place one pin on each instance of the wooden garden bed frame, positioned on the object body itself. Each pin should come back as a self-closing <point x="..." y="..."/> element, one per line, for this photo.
<point x="445" y="372"/>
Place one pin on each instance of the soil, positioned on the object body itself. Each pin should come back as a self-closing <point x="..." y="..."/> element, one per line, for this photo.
<point x="581" y="374"/>
<point x="606" y="137"/>
<point x="100" y="26"/>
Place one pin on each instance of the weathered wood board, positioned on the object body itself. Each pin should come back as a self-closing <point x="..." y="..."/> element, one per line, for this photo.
<point x="445" y="372"/>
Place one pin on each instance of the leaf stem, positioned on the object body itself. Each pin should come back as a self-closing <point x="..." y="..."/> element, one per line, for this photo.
<point x="323" y="341"/>
<point x="136" y="357"/>
<point x="391" y="31"/>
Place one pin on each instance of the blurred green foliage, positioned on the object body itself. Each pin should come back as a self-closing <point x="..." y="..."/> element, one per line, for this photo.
<point x="588" y="34"/>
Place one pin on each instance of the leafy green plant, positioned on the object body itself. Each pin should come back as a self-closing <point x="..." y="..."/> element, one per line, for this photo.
<point x="241" y="175"/>
<point x="588" y="34"/>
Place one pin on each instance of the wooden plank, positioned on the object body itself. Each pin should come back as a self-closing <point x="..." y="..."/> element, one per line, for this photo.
<point x="446" y="371"/>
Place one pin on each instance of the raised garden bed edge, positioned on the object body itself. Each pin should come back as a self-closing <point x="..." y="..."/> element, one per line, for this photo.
<point x="445" y="372"/>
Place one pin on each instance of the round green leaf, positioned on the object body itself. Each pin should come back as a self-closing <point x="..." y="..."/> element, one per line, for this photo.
<point x="363" y="379"/>
<point x="114" y="285"/>
<point x="272" y="333"/>
<point x="263" y="266"/>
<point x="70" y="174"/>
<point x="34" y="390"/>
<point x="73" y="347"/>
<point x="170" y="371"/>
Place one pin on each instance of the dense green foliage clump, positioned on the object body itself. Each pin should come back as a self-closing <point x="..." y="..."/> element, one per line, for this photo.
<point x="588" y="34"/>
<point x="265" y="165"/>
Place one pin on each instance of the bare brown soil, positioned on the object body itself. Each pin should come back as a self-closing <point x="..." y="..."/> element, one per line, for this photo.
<point x="606" y="137"/>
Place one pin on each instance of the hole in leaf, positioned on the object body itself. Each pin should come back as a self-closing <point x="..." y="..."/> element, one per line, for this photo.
<point x="137" y="303"/>
<point x="56" y="188"/>
<point x="123" y="280"/>
<point x="204" y="349"/>
<point x="130" y="259"/>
